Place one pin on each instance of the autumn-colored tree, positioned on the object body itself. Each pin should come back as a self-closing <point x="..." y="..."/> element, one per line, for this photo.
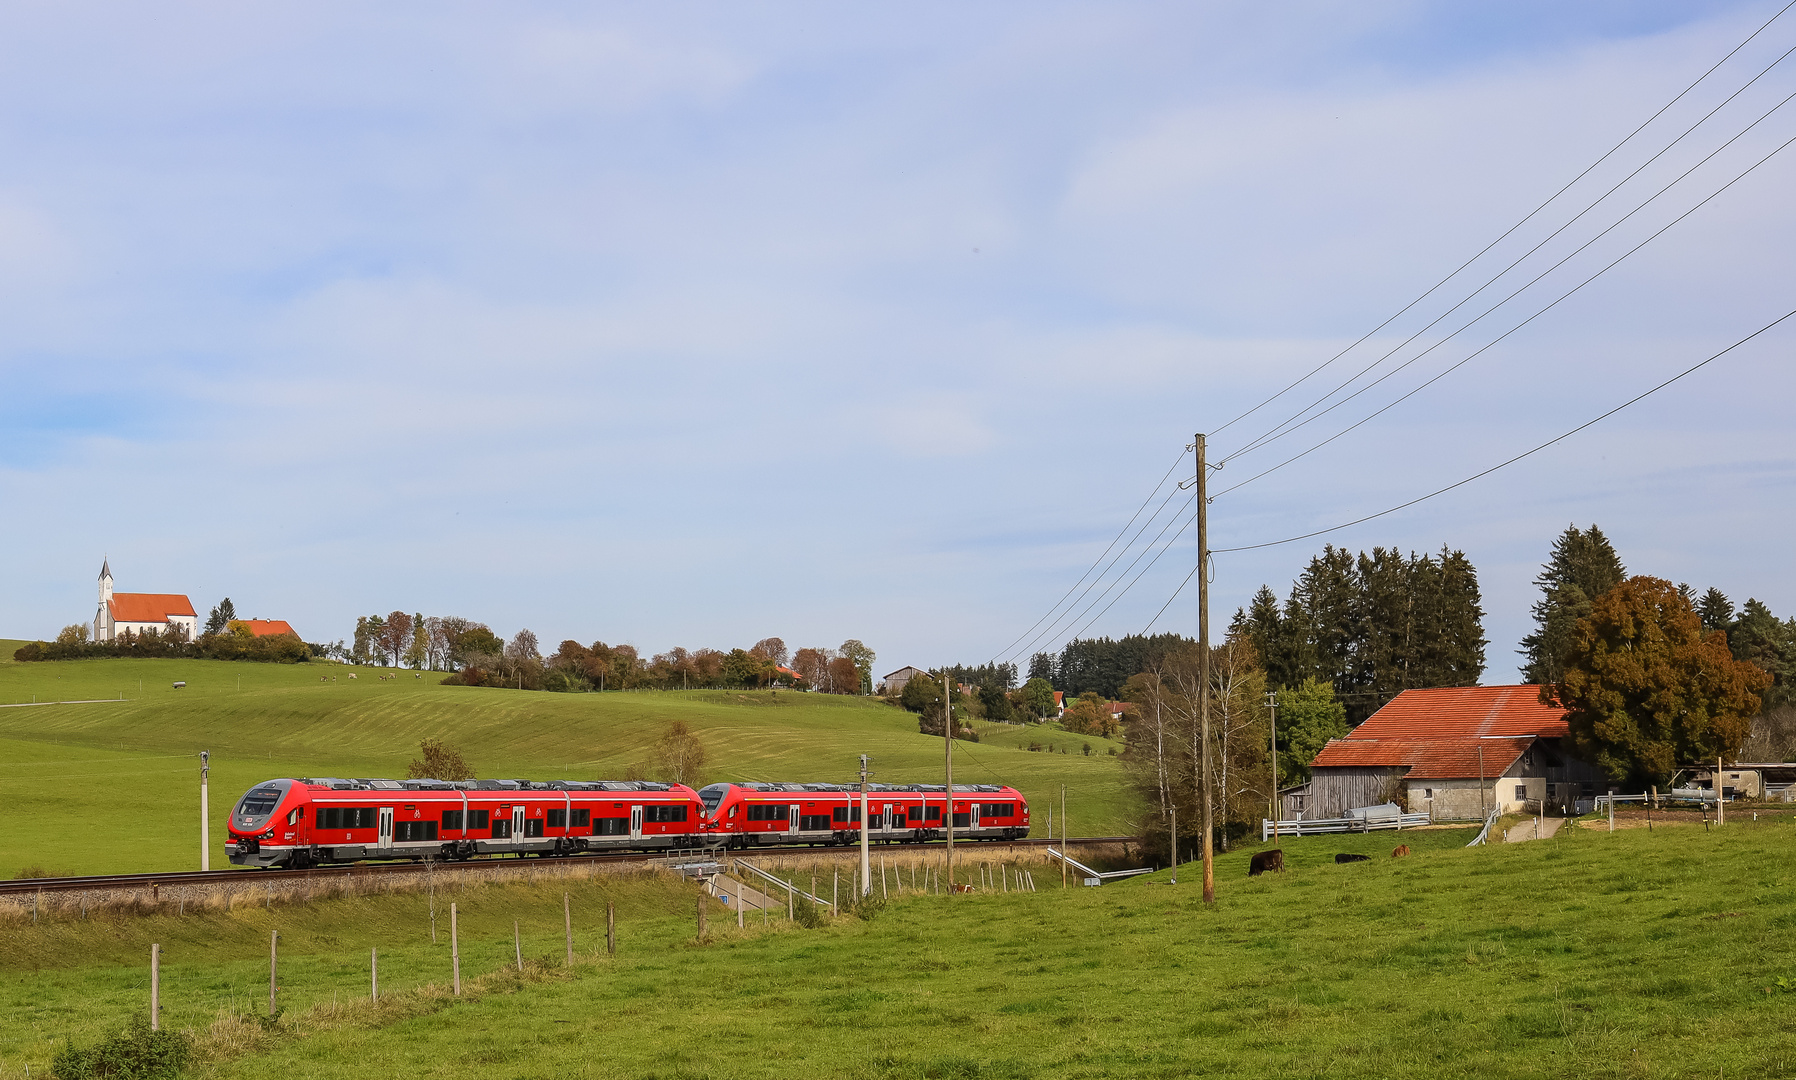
<point x="440" y="761"/>
<point x="812" y="666"/>
<point x="417" y="654"/>
<point x="1647" y="691"/>
<point x="863" y="659"/>
<point x="844" y="677"/>
<point x="678" y="755"/>
<point x="772" y="649"/>
<point x="395" y="636"/>
<point x="1089" y="715"/>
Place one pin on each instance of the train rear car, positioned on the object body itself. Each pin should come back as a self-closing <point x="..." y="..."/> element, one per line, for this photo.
<point x="757" y="814"/>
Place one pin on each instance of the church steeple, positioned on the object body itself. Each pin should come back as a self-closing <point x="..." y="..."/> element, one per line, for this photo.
<point x="105" y="581"/>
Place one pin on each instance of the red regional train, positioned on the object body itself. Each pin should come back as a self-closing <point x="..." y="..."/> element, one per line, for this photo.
<point x="747" y="815"/>
<point x="300" y="823"/>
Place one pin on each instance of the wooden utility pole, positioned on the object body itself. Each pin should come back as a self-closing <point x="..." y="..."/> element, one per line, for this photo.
<point x="866" y="847"/>
<point x="1203" y="663"/>
<point x="948" y="749"/>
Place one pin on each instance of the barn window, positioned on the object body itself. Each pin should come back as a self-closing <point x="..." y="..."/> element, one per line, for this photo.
<point x="1427" y="793"/>
<point x="1521" y="791"/>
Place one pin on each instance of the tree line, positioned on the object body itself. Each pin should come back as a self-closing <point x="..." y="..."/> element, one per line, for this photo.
<point x="222" y="637"/>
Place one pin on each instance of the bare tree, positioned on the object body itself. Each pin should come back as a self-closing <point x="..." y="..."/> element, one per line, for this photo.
<point x="523" y="647"/>
<point x="440" y="761"/>
<point x="773" y="649"/>
<point x="679" y="756"/>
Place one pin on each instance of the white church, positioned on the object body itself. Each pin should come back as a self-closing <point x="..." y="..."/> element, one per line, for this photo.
<point x="137" y="612"/>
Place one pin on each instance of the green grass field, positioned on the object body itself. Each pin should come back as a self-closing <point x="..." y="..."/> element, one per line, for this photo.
<point x="1628" y="955"/>
<point x="113" y="786"/>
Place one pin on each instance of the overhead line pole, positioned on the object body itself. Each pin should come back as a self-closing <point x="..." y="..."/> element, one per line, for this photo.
<point x="1203" y="663"/>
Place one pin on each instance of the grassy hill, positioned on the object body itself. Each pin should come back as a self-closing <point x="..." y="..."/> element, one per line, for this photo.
<point x="1632" y="954"/>
<point x="112" y="785"/>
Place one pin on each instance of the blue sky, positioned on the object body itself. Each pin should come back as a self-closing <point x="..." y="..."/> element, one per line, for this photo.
<point x="693" y="324"/>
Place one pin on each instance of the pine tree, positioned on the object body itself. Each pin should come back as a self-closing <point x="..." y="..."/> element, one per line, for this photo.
<point x="418" y="653"/>
<point x="1583" y="566"/>
<point x="1328" y="598"/>
<point x="1759" y="638"/>
<point x="1716" y="610"/>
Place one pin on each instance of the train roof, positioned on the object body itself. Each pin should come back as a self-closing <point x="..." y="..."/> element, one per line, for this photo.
<point x="855" y="788"/>
<point x="339" y="784"/>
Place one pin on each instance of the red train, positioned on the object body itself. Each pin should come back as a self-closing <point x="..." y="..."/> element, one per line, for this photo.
<point x="746" y="815"/>
<point x="300" y="823"/>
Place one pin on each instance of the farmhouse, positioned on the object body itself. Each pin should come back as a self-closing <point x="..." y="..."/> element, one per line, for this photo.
<point x="1454" y="752"/>
<point x="896" y="680"/>
<point x="139" y="612"/>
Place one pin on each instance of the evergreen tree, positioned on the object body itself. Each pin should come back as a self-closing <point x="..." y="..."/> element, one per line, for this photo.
<point x="1583" y="566"/>
<point x="221" y="617"/>
<point x="1716" y="610"/>
<point x="1327" y="603"/>
<point x="1760" y="639"/>
<point x="418" y="653"/>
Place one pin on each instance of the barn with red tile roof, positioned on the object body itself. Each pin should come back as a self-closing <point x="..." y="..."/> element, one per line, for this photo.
<point x="1456" y="752"/>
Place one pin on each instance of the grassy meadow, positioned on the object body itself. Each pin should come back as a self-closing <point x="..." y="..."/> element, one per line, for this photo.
<point x="1634" y="954"/>
<point x="112" y="786"/>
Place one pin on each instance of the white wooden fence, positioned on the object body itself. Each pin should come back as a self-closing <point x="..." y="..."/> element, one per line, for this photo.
<point x="1318" y="826"/>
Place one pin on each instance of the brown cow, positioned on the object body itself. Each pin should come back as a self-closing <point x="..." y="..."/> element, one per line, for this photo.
<point x="1267" y="860"/>
<point x="1402" y="850"/>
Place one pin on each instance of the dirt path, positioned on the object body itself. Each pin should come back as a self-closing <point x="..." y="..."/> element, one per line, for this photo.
<point x="1525" y="830"/>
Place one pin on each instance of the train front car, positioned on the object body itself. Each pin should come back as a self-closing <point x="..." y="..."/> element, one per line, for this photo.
<point x="300" y="823"/>
<point x="263" y="826"/>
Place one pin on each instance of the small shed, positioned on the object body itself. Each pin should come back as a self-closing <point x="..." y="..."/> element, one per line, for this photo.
<point x="895" y="682"/>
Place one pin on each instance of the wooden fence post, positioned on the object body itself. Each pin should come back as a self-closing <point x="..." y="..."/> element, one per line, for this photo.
<point x="701" y="916"/>
<point x="374" y="974"/>
<point x="567" y="923"/>
<point x="517" y="944"/>
<point x="155" y="988"/>
<point x="274" y="942"/>
<point x="455" y="948"/>
<point x="611" y="928"/>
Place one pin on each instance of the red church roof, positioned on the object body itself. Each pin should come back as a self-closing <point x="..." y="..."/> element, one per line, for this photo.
<point x="267" y="627"/>
<point x="147" y="607"/>
<point x="1446" y="733"/>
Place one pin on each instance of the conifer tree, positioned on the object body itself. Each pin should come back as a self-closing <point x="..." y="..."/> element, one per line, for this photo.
<point x="1716" y="610"/>
<point x="1583" y="566"/>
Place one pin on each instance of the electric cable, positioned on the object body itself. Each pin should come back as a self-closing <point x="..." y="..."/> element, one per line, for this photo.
<point x="1106" y="551"/>
<point x="1295" y="421"/>
<point x="1506" y="233"/>
<point x="1494" y="342"/>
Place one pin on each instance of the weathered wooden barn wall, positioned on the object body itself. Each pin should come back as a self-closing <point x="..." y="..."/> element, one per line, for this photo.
<point x="1333" y="791"/>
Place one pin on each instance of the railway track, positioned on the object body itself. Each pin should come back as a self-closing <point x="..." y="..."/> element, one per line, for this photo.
<point x="247" y="876"/>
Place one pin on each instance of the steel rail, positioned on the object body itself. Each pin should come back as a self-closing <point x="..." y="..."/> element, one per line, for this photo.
<point x="250" y="875"/>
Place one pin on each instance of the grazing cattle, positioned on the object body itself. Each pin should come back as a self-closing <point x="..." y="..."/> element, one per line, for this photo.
<point x="1265" y="861"/>
<point x="1346" y="858"/>
<point x="352" y="674"/>
<point x="1400" y="851"/>
<point x="957" y="886"/>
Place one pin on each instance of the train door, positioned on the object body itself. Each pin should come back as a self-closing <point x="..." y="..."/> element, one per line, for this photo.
<point x="975" y="818"/>
<point x="792" y="818"/>
<point x="636" y="822"/>
<point x="385" y="842"/>
<point x="517" y="825"/>
<point x="885" y="819"/>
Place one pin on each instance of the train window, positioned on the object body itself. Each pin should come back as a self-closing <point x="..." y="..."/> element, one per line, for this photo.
<point x="813" y="821"/>
<point x="477" y="820"/>
<point x="298" y="812"/>
<point x="558" y="819"/>
<point x="846" y="814"/>
<point x="767" y="813"/>
<point x="345" y="817"/>
<point x="997" y="809"/>
<point x="259" y="801"/>
<point x="962" y="821"/>
<point x="733" y="810"/>
<point x="712" y="796"/>
<point x="501" y="828"/>
<point x="451" y="820"/>
<point x="533" y="827"/>
<point x="414" y="830"/>
<point x="611" y="826"/>
<point x="582" y="818"/>
<point x="677" y="813"/>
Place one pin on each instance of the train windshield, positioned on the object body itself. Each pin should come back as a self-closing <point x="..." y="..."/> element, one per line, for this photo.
<point x="260" y="802"/>
<point x="712" y="796"/>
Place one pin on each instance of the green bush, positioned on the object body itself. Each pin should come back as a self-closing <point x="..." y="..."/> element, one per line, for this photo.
<point x="136" y="1053"/>
<point x="808" y="915"/>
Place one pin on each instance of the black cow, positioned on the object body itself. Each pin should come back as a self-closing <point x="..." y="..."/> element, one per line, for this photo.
<point x="1345" y="858"/>
<point x="1267" y="860"/>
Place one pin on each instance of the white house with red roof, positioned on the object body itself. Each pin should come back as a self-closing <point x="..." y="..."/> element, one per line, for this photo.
<point x="1455" y="752"/>
<point x="138" y="612"/>
<point x="265" y="627"/>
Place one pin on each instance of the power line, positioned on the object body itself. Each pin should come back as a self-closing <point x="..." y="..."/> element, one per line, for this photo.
<point x="1295" y="421"/>
<point x="1106" y="551"/>
<point x="1518" y="326"/>
<point x="1527" y="453"/>
<point x="1506" y="233"/>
